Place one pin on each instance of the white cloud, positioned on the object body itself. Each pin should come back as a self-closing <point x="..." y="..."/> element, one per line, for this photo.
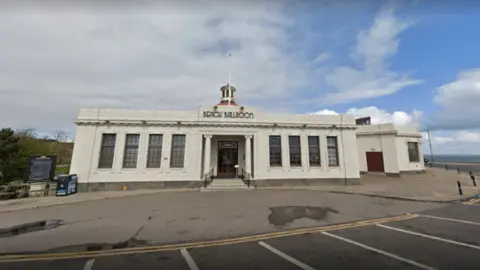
<point x="322" y="57"/>
<point x="58" y="58"/>
<point x="466" y="142"/>
<point x="325" y="112"/>
<point x="459" y="101"/>
<point x="462" y="136"/>
<point x="373" y="49"/>
<point x="378" y="116"/>
<point x="55" y="60"/>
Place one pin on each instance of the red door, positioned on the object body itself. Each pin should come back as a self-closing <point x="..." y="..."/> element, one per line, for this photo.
<point x="375" y="162"/>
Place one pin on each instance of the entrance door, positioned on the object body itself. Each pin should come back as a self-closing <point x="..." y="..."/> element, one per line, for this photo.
<point x="227" y="159"/>
<point x="375" y="162"/>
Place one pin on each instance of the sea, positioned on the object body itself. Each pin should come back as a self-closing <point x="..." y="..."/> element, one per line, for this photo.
<point x="454" y="158"/>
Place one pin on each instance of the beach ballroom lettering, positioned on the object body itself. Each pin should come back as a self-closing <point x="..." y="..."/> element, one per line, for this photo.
<point x="212" y="114"/>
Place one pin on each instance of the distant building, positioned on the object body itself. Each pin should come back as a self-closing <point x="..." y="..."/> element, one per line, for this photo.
<point x="176" y="149"/>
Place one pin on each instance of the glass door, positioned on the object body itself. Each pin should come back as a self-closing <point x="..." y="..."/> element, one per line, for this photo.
<point x="227" y="159"/>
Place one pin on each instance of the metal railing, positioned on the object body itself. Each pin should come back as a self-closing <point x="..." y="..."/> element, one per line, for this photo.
<point x="208" y="177"/>
<point x="474" y="176"/>
<point x="246" y="177"/>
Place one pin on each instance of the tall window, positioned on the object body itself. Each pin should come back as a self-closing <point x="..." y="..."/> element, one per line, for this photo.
<point x="177" y="155"/>
<point x="130" y="155"/>
<point x="413" y="154"/>
<point x="295" y="151"/>
<point x="314" y="151"/>
<point x="154" y="155"/>
<point x="275" y="143"/>
<point x="332" y="147"/>
<point x="107" y="151"/>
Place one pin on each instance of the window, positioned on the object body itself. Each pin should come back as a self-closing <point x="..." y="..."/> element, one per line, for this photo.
<point x="275" y="143"/>
<point x="154" y="155"/>
<point x="130" y="155"/>
<point x="177" y="155"/>
<point x="413" y="155"/>
<point x="332" y="147"/>
<point x="107" y="151"/>
<point x="295" y="151"/>
<point x="314" y="151"/>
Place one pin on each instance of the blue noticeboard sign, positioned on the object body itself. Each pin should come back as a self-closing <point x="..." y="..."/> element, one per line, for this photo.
<point x="41" y="168"/>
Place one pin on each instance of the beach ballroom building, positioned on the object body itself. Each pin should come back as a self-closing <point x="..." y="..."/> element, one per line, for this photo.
<point x="145" y="149"/>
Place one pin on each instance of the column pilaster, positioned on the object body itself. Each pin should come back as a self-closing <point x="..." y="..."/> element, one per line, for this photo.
<point x="207" y="157"/>
<point x="248" y="154"/>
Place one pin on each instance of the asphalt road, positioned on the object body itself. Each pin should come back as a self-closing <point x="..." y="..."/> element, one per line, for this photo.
<point x="175" y="217"/>
<point x="441" y="238"/>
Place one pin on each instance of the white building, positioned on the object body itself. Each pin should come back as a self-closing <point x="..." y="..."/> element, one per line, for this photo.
<point x="389" y="149"/>
<point x="176" y="149"/>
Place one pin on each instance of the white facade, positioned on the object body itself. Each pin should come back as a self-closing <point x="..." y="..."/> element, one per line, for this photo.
<point x="246" y="128"/>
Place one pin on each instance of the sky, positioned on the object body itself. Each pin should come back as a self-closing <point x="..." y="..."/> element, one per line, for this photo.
<point x="414" y="63"/>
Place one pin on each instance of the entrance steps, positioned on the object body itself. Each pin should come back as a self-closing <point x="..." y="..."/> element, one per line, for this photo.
<point x="226" y="185"/>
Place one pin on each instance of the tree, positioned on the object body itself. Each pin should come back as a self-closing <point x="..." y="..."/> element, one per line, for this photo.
<point x="11" y="156"/>
<point x="60" y="136"/>
<point x="26" y="132"/>
<point x="61" y="148"/>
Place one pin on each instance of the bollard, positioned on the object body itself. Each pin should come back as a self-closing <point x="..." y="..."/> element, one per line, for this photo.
<point x="473" y="180"/>
<point x="459" y="188"/>
<point x="471" y="174"/>
<point x="446" y="167"/>
<point x="458" y="170"/>
<point x="430" y="164"/>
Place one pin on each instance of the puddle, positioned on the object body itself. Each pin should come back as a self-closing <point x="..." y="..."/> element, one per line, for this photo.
<point x="30" y="227"/>
<point x="283" y="215"/>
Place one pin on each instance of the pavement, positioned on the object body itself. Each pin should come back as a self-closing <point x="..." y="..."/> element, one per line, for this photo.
<point x="436" y="185"/>
<point x="38" y="202"/>
<point x="446" y="237"/>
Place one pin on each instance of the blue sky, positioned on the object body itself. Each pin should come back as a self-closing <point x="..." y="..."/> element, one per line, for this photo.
<point x="438" y="44"/>
<point x="413" y="63"/>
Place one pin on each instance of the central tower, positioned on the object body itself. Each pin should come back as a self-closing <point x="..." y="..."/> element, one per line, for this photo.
<point x="228" y="95"/>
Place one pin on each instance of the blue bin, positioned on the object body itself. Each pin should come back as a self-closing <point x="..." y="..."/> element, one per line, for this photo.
<point x="66" y="185"/>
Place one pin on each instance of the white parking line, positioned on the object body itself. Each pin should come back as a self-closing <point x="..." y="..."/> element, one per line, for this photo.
<point x="405" y="260"/>
<point x="89" y="264"/>
<point x="189" y="259"/>
<point x="429" y="236"/>
<point x="286" y="257"/>
<point x="451" y="219"/>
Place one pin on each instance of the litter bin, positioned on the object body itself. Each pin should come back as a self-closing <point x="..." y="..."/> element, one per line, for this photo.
<point x="66" y="185"/>
<point x="72" y="184"/>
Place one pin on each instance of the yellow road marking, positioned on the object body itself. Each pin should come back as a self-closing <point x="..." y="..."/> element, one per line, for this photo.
<point x="135" y="250"/>
<point x="473" y="201"/>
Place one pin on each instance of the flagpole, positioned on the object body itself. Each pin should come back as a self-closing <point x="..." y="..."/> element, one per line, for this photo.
<point x="430" y="144"/>
<point x="229" y="78"/>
